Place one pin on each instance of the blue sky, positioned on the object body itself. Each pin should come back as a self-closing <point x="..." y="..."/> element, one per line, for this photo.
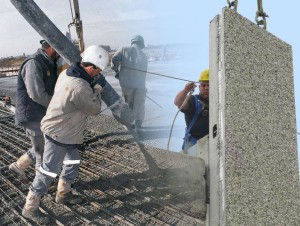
<point x="114" y="22"/>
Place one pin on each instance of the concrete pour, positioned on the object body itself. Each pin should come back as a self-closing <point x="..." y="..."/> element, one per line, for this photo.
<point x="181" y="176"/>
<point x="168" y="179"/>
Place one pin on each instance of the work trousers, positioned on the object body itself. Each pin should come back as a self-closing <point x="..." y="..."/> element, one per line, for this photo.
<point x="135" y="98"/>
<point x="58" y="158"/>
<point x="35" y="153"/>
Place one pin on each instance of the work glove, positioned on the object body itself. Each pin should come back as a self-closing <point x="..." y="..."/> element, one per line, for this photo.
<point x="101" y="80"/>
<point x="97" y="89"/>
<point x="117" y="75"/>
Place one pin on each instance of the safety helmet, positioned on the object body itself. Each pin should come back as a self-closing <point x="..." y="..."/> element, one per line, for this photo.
<point x="139" y="40"/>
<point x="96" y="55"/>
<point x="204" y="76"/>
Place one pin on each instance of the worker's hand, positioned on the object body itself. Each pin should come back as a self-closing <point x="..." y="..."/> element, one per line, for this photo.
<point x="97" y="88"/>
<point x="190" y="86"/>
<point x="101" y="80"/>
<point x="7" y="100"/>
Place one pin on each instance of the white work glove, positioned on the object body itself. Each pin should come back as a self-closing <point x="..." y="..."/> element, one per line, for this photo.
<point x="97" y="89"/>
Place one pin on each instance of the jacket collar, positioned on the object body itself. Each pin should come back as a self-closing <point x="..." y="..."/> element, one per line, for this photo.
<point x="75" y="70"/>
<point x="45" y="55"/>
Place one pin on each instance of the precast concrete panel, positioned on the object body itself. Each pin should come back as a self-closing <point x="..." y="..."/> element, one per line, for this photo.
<point x="253" y="137"/>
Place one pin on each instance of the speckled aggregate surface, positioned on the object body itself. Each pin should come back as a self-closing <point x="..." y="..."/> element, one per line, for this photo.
<point x="259" y="125"/>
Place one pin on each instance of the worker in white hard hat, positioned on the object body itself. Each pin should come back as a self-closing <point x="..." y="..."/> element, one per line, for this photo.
<point x="130" y="65"/>
<point x="75" y="98"/>
<point x="195" y="111"/>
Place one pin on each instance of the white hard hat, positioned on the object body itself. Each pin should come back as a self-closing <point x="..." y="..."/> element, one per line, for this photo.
<point x="96" y="55"/>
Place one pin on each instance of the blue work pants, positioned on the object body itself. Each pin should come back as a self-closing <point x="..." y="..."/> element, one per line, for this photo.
<point x="58" y="158"/>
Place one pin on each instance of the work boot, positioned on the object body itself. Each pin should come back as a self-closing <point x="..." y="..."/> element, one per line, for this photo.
<point x="31" y="209"/>
<point x="19" y="167"/>
<point x="64" y="194"/>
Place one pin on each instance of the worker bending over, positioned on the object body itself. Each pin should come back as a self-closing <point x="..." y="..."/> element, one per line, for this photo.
<point x="195" y="111"/>
<point x="75" y="97"/>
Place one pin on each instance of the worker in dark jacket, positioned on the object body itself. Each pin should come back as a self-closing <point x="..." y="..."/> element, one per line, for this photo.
<point x="130" y="65"/>
<point x="195" y="110"/>
<point x="35" y="86"/>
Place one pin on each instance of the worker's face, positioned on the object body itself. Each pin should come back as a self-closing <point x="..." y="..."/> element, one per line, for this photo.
<point x="204" y="89"/>
<point x="53" y="54"/>
<point x="93" y="71"/>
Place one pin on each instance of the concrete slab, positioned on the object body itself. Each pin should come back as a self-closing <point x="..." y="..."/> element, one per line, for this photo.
<point x="253" y="136"/>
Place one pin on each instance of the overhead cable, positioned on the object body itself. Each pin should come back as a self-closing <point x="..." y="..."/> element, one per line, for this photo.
<point x="160" y="74"/>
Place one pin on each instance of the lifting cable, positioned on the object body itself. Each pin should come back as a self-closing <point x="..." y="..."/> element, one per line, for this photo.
<point x="233" y="4"/>
<point x="149" y="72"/>
<point x="72" y="17"/>
<point x="71" y="10"/>
<point x="260" y="13"/>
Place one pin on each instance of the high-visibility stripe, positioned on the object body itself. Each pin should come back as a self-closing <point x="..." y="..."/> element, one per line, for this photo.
<point x="71" y="162"/>
<point x="47" y="173"/>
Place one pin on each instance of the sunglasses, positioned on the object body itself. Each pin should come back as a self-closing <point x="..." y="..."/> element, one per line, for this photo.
<point x="95" y="67"/>
<point x="204" y="84"/>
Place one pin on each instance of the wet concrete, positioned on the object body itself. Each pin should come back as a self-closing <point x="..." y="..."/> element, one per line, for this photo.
<point x="123" y="182"/>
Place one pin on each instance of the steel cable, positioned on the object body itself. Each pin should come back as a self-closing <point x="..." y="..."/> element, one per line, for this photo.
<point x="184" y="102"/>
<point x="154" y="73"/>
<point x="260" y="13"/>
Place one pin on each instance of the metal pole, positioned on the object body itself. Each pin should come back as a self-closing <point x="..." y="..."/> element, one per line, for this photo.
<point x="44" y="26"/>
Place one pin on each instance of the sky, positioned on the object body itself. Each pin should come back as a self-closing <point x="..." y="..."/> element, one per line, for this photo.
<point x="115" y="22"/>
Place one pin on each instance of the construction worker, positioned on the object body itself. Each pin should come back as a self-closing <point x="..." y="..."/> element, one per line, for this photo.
<point x="75" y="98"/>
<point x="130" y="65"/>
<point x="36" y="80"/>
<point x="195" y="110"/>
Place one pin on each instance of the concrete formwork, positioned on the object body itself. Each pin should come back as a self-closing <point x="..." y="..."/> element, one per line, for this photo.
<point x="253" y="147"/>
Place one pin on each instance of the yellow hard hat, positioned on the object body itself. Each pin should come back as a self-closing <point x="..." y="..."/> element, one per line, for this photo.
<point x="204" y="76"/>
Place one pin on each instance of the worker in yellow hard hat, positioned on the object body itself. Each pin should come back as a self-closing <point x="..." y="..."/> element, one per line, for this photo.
<point x="204" y="76"/>
<point x="195" y="110"/>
